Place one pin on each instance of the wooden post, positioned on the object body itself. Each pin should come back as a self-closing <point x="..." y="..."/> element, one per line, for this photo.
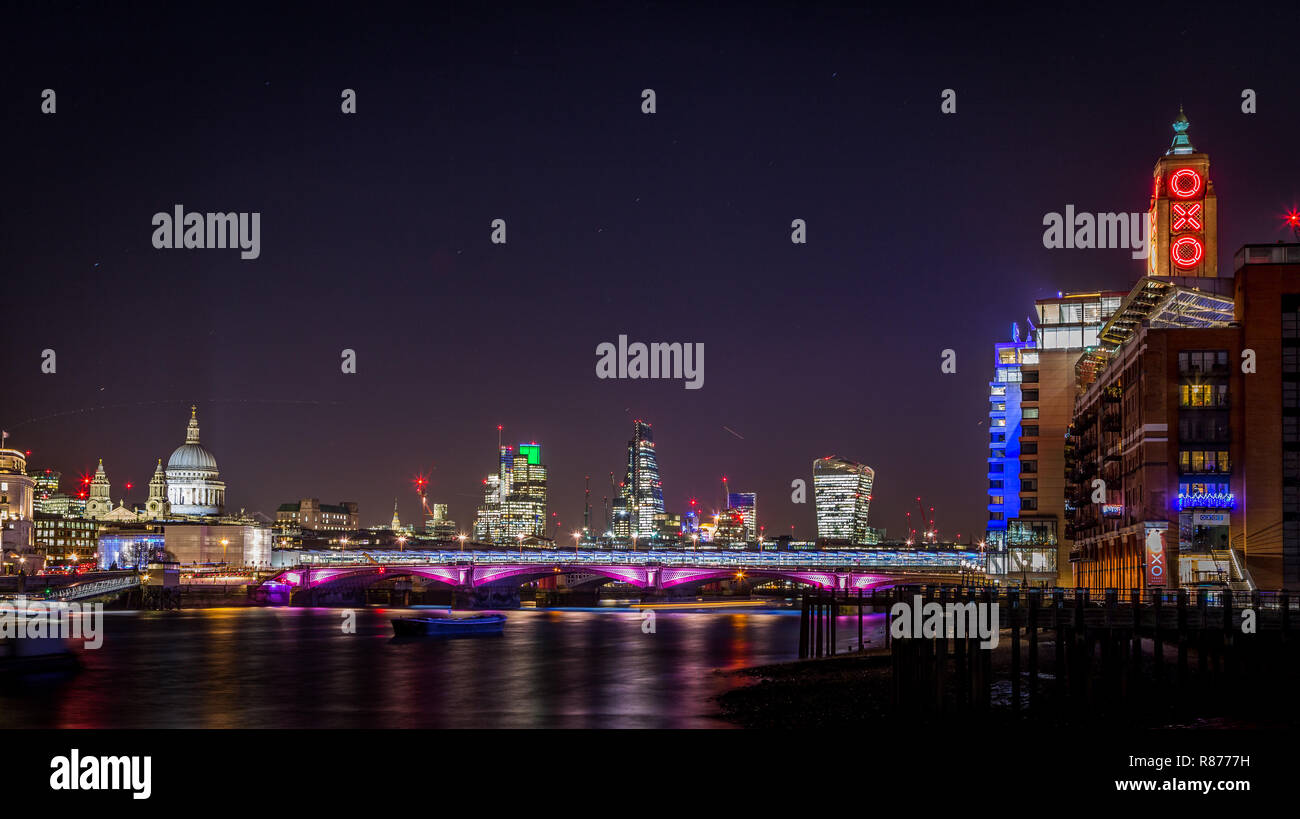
<point x="861" y="645"/>
<point x="1109" y="662"/>
<point x="986" y="663"/>
<point x="1076" y="644"/>
<point x="833" y="611"/>
<point x="1229" y="664"/>
<point x="1058" y="606"/>
<point x="1182" y="641"/>
<point x="1135" y="659"/>
<point x="1035" y="596"/>
<point x="1285" y="599"/>
<point x="1158" y="641"/>
<point x="960" y="665"/>
<point x="818" y="642"/>
<point x="803" y="628"/>
<point x="1203" y="638"/>
<point x="1013" y="612"/>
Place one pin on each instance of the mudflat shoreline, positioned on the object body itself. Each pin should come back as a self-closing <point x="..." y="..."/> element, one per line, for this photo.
<point x="856" y="690"/>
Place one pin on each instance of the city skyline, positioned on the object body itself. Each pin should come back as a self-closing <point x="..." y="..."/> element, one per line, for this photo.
<point x="857" y="317"/>
<point x="129" y="490"/>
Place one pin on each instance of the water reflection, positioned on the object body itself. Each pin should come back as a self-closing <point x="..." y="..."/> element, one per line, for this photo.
<point x="296" y="668"/>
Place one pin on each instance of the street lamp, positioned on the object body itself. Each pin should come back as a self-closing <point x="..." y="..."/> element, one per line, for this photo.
<point x="224" y="543"/>
<point x="576" y="537"/>
<point x="695" y="543"/>
<point x="461" y="538"/>
<point x="401" y="544"/>
<point x="521" y="545"/>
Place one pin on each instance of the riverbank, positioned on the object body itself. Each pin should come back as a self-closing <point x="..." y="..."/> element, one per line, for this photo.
<point x="856" y="690"/>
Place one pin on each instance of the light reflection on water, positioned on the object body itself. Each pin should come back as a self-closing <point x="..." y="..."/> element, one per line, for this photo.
<point x="295" y="668"/>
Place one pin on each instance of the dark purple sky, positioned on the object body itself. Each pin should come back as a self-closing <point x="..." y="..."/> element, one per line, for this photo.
<point x="925" y="233"/>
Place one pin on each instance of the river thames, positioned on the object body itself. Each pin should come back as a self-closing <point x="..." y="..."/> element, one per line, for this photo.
<point x="245" y="667"/>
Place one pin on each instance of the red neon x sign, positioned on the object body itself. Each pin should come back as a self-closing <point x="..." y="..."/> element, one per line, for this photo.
<point x="1187" y="216"/>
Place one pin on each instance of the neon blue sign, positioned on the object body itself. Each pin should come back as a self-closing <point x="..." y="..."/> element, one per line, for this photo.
<point x="1207" y="500"/>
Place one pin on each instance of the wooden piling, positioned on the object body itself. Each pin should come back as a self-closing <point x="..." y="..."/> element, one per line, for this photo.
<point x="1035" y="596"/>
<point x="803" y="628"/>
<point x="862" y="646"/>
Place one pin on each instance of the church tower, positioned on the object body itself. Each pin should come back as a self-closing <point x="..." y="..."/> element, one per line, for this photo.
<point x="1184" y="211"/>
<point x="99" y="503"/>
<point x="157" y="506"/>
<point x="397" y="522"/>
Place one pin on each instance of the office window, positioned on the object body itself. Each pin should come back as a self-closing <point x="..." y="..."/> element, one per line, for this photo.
<point x="1029" y="430"/>
<point x="1030" y="412"/>
<point x="1203" y="395"/>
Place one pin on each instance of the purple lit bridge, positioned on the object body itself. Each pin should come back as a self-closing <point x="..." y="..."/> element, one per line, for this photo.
<point x="493" y="579"/>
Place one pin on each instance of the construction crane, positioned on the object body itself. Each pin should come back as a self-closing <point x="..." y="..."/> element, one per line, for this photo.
<point x="930" y="534"/>
<point x="586" y="507"/>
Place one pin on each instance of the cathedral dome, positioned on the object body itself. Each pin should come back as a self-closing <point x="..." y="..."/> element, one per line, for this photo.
<point x="193" y="484"/>
<point x="192" y="457"/>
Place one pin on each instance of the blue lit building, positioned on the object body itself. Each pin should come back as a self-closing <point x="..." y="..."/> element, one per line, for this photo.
<point x="1005" y="418"/>
<point x="125" y="549"/>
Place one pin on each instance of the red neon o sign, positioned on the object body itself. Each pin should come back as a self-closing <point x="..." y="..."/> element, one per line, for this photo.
<point x="1184" y="183"/>
<point x="1187" y="251"/>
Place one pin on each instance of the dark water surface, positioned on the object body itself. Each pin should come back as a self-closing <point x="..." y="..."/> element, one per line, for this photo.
<point x="295" y="668"/>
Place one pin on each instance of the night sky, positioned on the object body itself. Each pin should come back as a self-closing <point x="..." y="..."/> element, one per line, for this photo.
<point x="924" y="233"/>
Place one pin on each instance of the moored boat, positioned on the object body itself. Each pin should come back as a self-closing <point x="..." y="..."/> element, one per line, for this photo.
<point x="435" y="626"/>
<point x="24" y="652"/>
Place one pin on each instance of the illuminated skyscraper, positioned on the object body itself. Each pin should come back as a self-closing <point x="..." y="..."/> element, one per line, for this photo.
<point x="437" y="523"/>
<point x="524" y="509"/>
<point x="642" y="495"/>
<point x="514" y="499"/>
<point x="746" y="503"/>
<point x="842" y="490"/>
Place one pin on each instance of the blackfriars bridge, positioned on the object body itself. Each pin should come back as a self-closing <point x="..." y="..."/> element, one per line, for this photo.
<point x="491" y="579"/>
